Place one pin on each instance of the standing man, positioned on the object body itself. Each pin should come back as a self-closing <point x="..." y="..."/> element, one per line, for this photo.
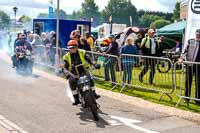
<point x="192" y="54"/>
<point x="149" y="47"/>
<point x="110" y="62"/>
<point x="90" y="40"/>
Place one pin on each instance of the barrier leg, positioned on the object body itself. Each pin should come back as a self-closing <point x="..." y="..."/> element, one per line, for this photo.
<point x="165" y="94"/>
<point x="179" y="100"/>
<point x="123" y="86"/>
<point x="114" y="87"/>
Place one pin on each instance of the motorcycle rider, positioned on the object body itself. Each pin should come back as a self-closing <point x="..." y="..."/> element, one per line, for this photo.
<point x="23" y="43"/>
<point x="73" y="58"/>
<point x="21" y="46"/>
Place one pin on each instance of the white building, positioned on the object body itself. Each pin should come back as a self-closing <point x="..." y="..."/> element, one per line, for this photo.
<point x="183" y="9"/>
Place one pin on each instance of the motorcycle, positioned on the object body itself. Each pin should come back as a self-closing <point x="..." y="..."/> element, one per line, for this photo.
<point x="164" y="66"/>
<point x="24" y="62"/>
<point x="85" y="92"/>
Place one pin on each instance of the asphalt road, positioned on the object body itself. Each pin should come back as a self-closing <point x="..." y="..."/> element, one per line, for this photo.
<point x="40" y="105"/>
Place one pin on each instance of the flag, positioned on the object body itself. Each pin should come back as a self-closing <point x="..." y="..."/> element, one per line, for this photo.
<point x="131" y="21"/>
<point x="110" y="18"/>
<point x="193" y="20"/>
<point x="92" y="19"/>
<point x="51" y="9"/>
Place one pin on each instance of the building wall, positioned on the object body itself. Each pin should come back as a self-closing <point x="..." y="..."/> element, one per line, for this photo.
<point x="183" y="9"/>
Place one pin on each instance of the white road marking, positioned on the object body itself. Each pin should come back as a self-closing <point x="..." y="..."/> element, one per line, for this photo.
<point x="114" y="122"/>
<point x="10" y="126"/>
<point x="130" y="123"/>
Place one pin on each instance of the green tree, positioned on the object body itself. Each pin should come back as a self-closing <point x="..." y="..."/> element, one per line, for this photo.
<point x="4" y="19"/>
<point x="24" y="19"/>
<point x="88" y="9"/>
<point x="147" y="19"/>
<point x="62" y="13"/>
<point x="176" y="12"/>
<point x="157" y="24"/>
<point x="43" y="15"/>
<point x="76" y="15"/>
<point x="121" y="10"/>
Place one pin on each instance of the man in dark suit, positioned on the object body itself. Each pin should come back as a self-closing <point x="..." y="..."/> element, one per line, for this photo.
<point x="192" y="54"/>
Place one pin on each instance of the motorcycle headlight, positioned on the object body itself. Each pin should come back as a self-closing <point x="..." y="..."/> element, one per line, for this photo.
<point x="86" y="88"/>
<point x="28" y="52"/>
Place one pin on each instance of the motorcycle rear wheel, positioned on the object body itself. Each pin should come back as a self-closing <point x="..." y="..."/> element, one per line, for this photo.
<point x="163" y="66"/>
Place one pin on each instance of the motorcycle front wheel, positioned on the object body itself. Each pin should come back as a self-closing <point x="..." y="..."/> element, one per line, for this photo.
<point x="91" y="102"/>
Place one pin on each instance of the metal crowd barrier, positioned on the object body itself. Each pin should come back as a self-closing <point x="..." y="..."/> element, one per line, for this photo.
<point x="45" y="56"/>
<point x="147" y="72"/>
<point x="187" y="82"/>
<point x="110" y="69"/>
<point x="115" y="68"/>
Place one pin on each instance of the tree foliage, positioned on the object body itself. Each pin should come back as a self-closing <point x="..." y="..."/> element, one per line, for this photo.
<point x="157" y="24"/>
<point x="88" y="9"/>
<point x="121" y="10"/>
<point x="24" y="19"/>
<point x="4" y="19"/>
<point x="62" y="13"/>
<point x="157" y="13"/>
<point x="76" y="15"/>
<point x="176" y="12"/>
<point x="42" y="15"/>
<point x="147" y="19"/>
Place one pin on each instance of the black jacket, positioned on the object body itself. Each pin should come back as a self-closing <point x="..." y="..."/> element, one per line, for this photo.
<point x="113" y="49"/>
<point x="76" y="60"/>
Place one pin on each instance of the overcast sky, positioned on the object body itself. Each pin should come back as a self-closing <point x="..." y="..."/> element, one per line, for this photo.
<point x="34" y="7"/>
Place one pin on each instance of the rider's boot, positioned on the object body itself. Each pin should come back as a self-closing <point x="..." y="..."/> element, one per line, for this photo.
<point x="96" y="95"/>
<point x="76" y="100"/>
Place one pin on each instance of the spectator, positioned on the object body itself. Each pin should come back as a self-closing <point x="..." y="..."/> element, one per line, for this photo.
<point x="163" y="44"/>
<point x="90" y="40"/>
<point x="128" y="62"/>
<point x="52" y="51"/>
<point x="77" y="38"/>
<point x="53" y="47"/>
<point x="45" y="40"/>
<point x="46" y="43"/>
<point x="13" y="58"/>
<point x="36" y="40"/>
<point x="192" y="54"/>
<point x="138" y="41"/>
<point x="38" y="51"/>
<point x="111" y="61"/>
<point x="9" y="42"/>
<point x="18" y="38"/>
<point x="179" y="46"/>
<point x="29" y="37"/>
<point x="74" y="34"/>
<point x="84" y="45"/>
<point x="149" y="47"/>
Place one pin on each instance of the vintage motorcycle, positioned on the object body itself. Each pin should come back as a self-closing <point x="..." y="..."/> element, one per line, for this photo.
<point x="85" y="92"/>
<point x="24" y="61"/>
